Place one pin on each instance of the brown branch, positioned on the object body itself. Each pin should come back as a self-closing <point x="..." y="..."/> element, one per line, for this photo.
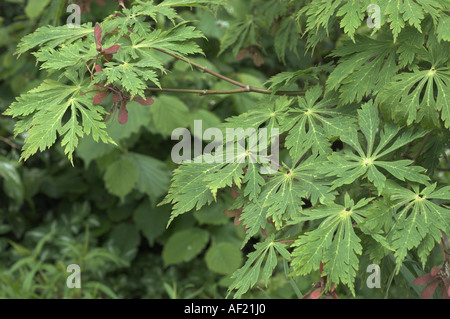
<point x="10" y="143"/>
<point x="247" y="89"/>
<point x="244" y="87"/>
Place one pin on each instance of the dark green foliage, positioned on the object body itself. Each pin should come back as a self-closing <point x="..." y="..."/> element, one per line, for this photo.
<point x="85" y="154"/>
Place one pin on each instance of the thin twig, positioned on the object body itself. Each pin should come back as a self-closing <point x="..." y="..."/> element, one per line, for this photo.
<point x="10" y="143"/>
<point x="211" y="92"/>
<point x="244" y="87"/>
<point x="92" y="75"/>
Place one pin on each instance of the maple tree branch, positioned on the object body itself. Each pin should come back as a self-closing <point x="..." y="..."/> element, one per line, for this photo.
<point x="10" y="143"/>
<point x="244" y="87"/>
<point x="211" y="92"/>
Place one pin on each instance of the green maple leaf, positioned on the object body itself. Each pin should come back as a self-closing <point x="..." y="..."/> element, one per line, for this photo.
<point x="65" y="57"/>
<point x="237" y="34"/>
<point x="264" y="258"/>
<point x="268" y="115"/>
<point x="253" y="181"/>
<point x="334" y="242"/>
<point x="133" y="19"/>
<point x="312" y="124"/>
<point x="177" y="40"/>
<point x="320" y="15"/>
<point x="51" y="37"/>
<point x="156" y="11"/>
<point x="227" y="175"/>
<point x="364" y="67"/>
<point x="281" y="197"/>
<point x="352" y="12"/>
<point x="286" y="38"/>
<point x="131" y="75"/>
<point x="418" y="96"/>
<point x="187" y="189"/>
<point x="443" y="30"/>
<point x="196" y="184"/>
<point x="288" y="79"/>
<point x="401" y="13"/>
<point x="419" y="220"/>
<point x="41" y="114"/>
<point x="348" y="166"/>
<point x="398" y="12"/>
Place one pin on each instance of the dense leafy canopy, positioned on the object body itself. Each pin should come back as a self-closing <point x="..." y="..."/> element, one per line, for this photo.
<point x="362" y="113"/>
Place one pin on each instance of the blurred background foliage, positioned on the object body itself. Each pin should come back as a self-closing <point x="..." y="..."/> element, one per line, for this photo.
<point x="53" y="214"/>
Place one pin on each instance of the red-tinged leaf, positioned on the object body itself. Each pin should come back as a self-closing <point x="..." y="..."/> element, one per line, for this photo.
<point x="315" y="294"/>
<point x="112" y="49"/>
<point x="107" y="116"/>
<point x="98" y="68"/>
<point x="435" y="271"/>
<point x="258" y="60"/>
<point x="121" y="3"/>
<point x="234" y="193"/>
<point x="147" y="101"/>
<point x="100" y="97"/>
<point x="428" y="291"/>
<point x="335" y="296"/>
<point x="98" y="37"/>
<point x="424" y="279"/>
<point x="333" y="286"/>
<point x="123" y="114"/>
<point x="232" y="212"/>
<point x="443" y="293"/>
<point x="116" y="97"/>
<point x="108" y="57"/>
<point x="85" y="6"/>
<point x="111" y="110"/>
<point x="446" y="288"/>
<point x="264" y="232"/>
<point x="242" y="54"/>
